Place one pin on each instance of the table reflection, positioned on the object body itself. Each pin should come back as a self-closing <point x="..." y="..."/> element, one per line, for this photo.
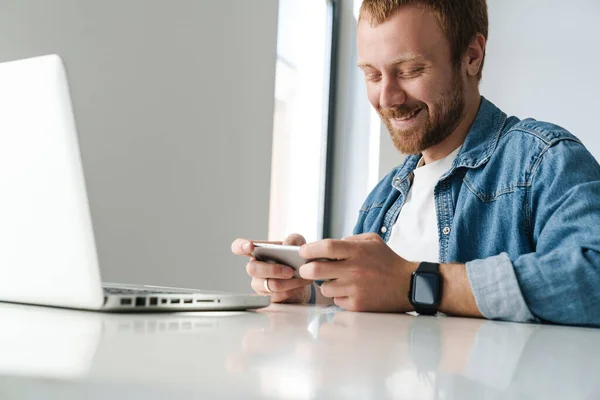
<point x="364" y="355"/>
<point x="300" y="352"/>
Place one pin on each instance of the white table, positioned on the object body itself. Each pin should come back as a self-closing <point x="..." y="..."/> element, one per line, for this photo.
<point x="289" y="352"/>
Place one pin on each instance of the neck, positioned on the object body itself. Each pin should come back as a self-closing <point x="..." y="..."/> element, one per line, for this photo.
<point x="457" y="137"/>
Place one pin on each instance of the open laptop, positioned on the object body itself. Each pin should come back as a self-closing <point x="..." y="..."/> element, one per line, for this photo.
<point x="47" y="248"/>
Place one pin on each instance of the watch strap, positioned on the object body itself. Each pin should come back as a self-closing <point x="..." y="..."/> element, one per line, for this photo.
<point x="429" y="267"/>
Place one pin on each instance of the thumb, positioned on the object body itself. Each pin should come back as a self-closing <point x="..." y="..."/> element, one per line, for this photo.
<point x="294" y="240"/>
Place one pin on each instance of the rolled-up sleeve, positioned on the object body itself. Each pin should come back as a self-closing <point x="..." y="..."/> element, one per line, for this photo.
<point x="496" y="289"/>
<point x="560" y="281"/>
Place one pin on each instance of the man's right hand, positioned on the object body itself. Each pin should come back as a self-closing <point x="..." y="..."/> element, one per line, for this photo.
<point x="280" y="278"/>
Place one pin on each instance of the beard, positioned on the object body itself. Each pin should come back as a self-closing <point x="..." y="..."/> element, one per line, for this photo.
<point x="435" y="124"/>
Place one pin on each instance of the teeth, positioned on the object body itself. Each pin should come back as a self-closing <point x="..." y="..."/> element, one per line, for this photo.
<point x="409" y="116"/>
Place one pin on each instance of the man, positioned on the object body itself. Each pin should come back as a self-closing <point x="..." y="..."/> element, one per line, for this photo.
<point x="508" y="208"/>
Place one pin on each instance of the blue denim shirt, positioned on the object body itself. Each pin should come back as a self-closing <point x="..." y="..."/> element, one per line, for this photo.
<point x="521" y="207"/>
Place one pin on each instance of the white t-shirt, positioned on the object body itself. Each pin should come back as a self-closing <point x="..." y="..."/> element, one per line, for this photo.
<point x="414" y="235"/>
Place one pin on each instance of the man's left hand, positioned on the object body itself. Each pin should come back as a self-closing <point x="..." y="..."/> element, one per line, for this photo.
<point x="364" y="274"/>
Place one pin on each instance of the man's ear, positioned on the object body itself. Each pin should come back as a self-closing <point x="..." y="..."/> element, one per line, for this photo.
<point x="475" y="54"/>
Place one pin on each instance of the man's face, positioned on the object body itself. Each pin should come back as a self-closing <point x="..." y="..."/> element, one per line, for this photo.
<point x="410" y="79"/>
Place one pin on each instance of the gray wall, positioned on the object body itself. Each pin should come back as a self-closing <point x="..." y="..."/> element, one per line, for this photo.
<point x="174" y="106"/>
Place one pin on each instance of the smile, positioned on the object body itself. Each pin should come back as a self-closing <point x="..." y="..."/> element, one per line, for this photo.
<point x="409" y="116"/>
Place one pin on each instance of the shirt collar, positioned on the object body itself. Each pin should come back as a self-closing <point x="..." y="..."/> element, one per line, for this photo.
<point x="478" y="147"/>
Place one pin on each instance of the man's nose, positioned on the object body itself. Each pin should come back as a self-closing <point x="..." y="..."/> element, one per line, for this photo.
<point x="392" y="94"/>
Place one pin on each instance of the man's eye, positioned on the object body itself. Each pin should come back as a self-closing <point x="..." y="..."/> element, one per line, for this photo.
<point x="412" y="72"/>
<point x="373" y="77"/>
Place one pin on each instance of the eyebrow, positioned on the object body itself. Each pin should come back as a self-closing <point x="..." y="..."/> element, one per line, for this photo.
<point x="399" y="60"/>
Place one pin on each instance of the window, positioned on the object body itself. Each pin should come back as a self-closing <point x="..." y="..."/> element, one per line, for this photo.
<point x="301" y="119"/>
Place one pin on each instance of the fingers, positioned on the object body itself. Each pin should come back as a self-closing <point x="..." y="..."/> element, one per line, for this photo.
<point x="243" y="247"/>
<point x="300" y="295"/>
<point x="294" y="240"/>
<point x="327" y="248"/>
<point x="259" y="269"/>
<point x="324" y="270"/>
<point x="278" y="285"/>
<point x="291" y="296"/>
<point x="343" y="302"/>
<point x="281" y="285"/>
<point x="296" y="290"/>
<point x="335" y="288"/>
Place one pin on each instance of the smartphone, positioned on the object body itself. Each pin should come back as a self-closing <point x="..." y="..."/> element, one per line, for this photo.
<point x="279" y="254"/>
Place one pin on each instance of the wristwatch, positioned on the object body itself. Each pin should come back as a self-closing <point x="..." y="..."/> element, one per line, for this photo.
<point x="425" y="292"/>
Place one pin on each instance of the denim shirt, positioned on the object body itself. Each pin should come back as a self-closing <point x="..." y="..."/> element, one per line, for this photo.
<point x="520" y="206"/>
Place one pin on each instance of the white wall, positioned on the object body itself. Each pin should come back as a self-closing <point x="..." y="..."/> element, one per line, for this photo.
<point x="543" y="61"/>
<point x="174" y="106"/>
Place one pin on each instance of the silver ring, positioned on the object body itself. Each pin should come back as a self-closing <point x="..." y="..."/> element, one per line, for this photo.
<point x="266" y="285"/>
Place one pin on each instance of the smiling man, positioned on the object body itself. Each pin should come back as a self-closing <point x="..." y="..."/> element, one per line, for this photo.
<point x="489" y="215"/>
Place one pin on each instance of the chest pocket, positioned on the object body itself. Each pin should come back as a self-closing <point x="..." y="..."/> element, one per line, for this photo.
<point x="488" y="190"/>
<point x="509" y="169"/>
<point x="499" y="177"/>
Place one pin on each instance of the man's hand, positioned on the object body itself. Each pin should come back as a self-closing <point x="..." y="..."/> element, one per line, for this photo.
<point x="366" y="276"/>
<point x="284" y="287"/>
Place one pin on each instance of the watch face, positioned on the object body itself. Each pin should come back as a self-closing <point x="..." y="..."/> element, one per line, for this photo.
<point x="426" y="288"/>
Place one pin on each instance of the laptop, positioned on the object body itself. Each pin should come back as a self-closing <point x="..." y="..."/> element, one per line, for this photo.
<point x="47" y="248"/>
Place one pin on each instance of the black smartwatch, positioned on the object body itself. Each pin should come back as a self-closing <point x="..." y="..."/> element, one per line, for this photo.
<point x="425" y="292"/>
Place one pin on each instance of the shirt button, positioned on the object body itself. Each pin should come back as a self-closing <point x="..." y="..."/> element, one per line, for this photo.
<point x="383" y="229"/>
<point x="446" y="230"/>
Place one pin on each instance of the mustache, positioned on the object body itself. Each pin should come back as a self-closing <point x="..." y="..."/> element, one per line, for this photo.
<point x="402" y="111"/>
